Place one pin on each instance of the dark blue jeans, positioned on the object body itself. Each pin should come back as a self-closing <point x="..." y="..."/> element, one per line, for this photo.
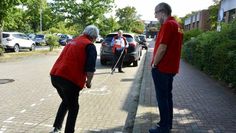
<point x="163" y="87"/>
<point x="69" y="94"/>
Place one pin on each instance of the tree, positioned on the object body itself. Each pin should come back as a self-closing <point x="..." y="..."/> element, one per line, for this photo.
<point x="84" y="13"/>
<point x="139" y="27"/>
<point x="64" y="9"/>
<point x="5" y="7"/>
<point x="108" y="25"/>
<point x="127" y="16"/>
<point x="216" y="1"/>
<point x="33" y="12"/>
<point x="213" y="15"/>
<point x="90" y="11"/>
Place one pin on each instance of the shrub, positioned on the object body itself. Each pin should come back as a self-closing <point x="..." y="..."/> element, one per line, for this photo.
<point x="52" y="41"/>
<point x="191" y="34"/>
<point x="214" y="53"/>
<point x="1" y="50"/>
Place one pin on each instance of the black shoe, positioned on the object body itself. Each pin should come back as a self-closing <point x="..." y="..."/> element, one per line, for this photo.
<point x="55" y="130"/>
<point x="120" y="71"/>
<point x="158" y="130"/>
<point x="158" y="125"/>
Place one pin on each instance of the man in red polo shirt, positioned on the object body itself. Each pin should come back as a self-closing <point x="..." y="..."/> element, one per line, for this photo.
<point x="165" y="64"/>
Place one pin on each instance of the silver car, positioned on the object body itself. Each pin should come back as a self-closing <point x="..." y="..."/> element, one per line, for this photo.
<point x="16" y="41"/>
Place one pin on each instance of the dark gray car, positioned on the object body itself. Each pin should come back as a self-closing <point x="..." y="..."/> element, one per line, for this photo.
<point x="134" y="51"/>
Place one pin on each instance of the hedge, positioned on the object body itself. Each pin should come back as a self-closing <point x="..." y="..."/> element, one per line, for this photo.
<point x="214" y="53"/>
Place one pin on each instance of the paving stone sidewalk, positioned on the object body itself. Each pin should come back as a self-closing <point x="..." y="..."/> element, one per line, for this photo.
<point x="201" y="105"/>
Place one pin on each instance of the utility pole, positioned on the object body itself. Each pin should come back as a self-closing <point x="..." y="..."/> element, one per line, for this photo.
<point x="41" y="24"/>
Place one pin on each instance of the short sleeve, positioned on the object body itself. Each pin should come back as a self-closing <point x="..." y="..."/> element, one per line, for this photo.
<point x="167" y="33"/>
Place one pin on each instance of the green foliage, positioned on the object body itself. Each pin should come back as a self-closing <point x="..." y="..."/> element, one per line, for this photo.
<point x="1" y="50"/>
<point x="108" y="25"/>
<point x="213" y="15"/>
<point x="52" y="41"/>
<point x="127" y="16"/>
<point x="62" y="27"/>
<point x="33" y="13"/>
<point x="191" y="34"/>
<point x="138" y="27"/>
<point x="214" y="53"/>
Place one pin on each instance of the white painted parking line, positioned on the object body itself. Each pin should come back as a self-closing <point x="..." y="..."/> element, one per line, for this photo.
<point x="3" y="128"/>
<point x="9" y="120"/>
<point x="42" y="99"/>
<point x="28" y="123"/>
<point x="22" y="111"/>
<point x="32" y="105"/>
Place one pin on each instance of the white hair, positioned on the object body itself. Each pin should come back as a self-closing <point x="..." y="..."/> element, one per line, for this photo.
<point x="92" y="31"/>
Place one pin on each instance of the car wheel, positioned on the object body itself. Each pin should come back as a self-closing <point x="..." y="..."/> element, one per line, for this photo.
<point x="32" y="47"/>
<point x="103" y="62"/>
<point x="135" y="63"/>
<point x="16" y="48"/>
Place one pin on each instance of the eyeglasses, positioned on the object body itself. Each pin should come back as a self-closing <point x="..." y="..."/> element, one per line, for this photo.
<point x="157" y="11"/>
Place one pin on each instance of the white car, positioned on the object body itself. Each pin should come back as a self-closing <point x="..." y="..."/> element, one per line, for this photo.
<point x="99" y="39"/>
<point x="16" y="41"/>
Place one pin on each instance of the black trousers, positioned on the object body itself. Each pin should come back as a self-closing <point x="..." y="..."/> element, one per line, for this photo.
<point x="116" y="57"/>
<point x="69" y="93"/>
<point x="163" y="86"/>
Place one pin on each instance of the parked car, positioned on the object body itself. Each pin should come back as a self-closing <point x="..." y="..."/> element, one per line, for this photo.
<point x="99" y="39"/>
<point x="143" y="41"/>
<point x="40" y="39"/>
<point x="134" y="51"/>
<point x="16" y="41"/>
<point x="64" y="39"/>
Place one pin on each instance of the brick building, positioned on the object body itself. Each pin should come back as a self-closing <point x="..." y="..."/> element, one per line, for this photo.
<point x="198" y="20"/>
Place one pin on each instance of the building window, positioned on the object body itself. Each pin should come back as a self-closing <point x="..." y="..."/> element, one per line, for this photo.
<point x="231" y="15"/>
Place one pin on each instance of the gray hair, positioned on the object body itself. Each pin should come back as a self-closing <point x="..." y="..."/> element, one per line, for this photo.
<point x="163" y="7"/>
<point x="120" y="31"/>
<point x="91" y="30"/>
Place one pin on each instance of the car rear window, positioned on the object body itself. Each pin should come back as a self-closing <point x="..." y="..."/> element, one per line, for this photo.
<point x="109" y="37"/>
<point x="39" y="36"/>
<point x="4" y="35"/>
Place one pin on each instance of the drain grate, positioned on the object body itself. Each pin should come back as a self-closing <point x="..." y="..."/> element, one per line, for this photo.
<point x="4" y="81"/>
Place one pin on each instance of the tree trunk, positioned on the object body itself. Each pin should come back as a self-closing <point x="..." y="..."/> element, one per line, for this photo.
<point x="1" y="45"/>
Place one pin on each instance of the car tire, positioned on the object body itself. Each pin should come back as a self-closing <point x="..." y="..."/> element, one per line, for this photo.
<point x="135" y="63"/>
<point x="16" y="48"/>
<point x="32" y="47"/>
<point x="103" y="62"/>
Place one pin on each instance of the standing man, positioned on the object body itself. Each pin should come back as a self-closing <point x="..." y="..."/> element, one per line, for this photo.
<point x="72" y="71"/>
<point x="119" y="45"/>
<point x="165" y="64"/>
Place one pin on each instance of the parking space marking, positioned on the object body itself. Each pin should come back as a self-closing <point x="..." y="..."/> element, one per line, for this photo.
<point x="32" y="105"/>
<point x="3" y="128"/>
<point x="22" y="111"/>
<point x="97" y="91"/>
<point x="28" y="123"/>
<point x="9" y="120"/>
<point x="42" y="99"/>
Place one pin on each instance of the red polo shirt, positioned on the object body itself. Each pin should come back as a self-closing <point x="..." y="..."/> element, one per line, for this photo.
<point x="171" y="35"/>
